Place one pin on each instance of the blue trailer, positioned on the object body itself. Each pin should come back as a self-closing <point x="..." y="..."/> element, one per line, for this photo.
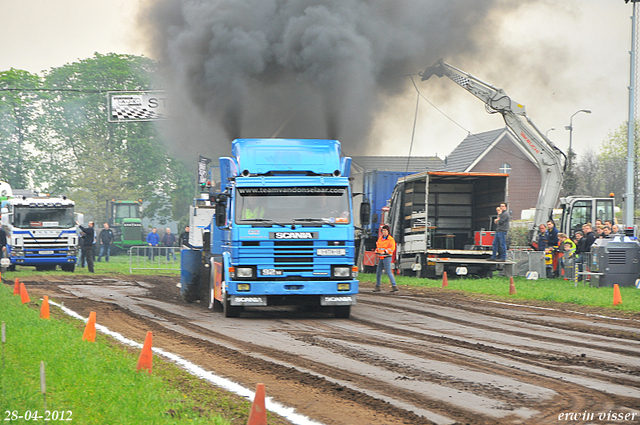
<point x="377" y="187"/>
<point x="283" y="231"/>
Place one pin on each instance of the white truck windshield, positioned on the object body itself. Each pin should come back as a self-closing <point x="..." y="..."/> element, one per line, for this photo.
<point x="43" y="217"/>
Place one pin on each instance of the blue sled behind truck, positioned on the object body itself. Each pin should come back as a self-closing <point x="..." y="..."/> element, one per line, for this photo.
<point x="280" y="230"/>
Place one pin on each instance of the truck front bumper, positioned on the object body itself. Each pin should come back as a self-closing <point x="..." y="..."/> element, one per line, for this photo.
<point x="41" y="261"/>
<point x="263" y="293"/>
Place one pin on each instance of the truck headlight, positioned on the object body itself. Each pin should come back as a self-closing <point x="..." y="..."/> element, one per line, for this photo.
<point x="245" y="272"/>
<point x="341" y="271"/>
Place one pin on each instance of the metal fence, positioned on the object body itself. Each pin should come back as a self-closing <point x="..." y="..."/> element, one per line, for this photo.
<point x="154" y="258"/>
<point x="572" y="269"/>
<point x="527" y="261"/>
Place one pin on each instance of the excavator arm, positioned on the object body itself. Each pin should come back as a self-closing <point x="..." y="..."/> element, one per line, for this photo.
<point x="547" y="155"/>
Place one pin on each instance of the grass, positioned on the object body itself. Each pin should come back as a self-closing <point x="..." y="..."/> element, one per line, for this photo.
<point x="557" y="290"/>
<point x="117" y="264"/>
<point x="97" y="382"/>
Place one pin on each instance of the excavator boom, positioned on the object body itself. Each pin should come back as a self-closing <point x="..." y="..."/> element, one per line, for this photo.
<point x="547" y="156"/>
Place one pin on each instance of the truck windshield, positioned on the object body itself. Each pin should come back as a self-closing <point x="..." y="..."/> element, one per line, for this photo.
<point x="39" y="217"/>
<point x="127" y="211"/>
<point x="286" y="205"/>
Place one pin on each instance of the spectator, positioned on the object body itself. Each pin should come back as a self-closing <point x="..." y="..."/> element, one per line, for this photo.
<point x="496" y="239"/>
<point x="564" y="240"/>
<point x="543" y="237"/>
<point x="502" y="227"/>
<point x="568" y="248"/>
<point x="599" y="231"/>
<point x="598" y="222"/>
<point x="553" y="234"/>
<point x="615" y="230"/>
<point x="168" y="241"/>
<point x="606" y="232"/>
<point x="153" y="240"/>
<point x="106" y="239"/>
<point x="548" y="262"/>
<point x="578" y="237"/>
<point x="589" y="237"/>
<point x="580" y="242"/>
<point x="87" y="245"/>
<point x="184" y="238"/>
<point x="3" y="243"/>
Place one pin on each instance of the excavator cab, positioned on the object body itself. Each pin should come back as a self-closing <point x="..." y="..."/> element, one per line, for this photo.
<point x="577" y="211"/>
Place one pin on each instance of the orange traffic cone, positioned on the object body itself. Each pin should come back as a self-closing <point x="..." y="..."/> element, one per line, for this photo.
<point x="258" y="415"/>
<point x="90" y="330"/>
<point x="24" y="295"/>
<point x="44" y="310"/>
<point x="512" y="287"/>
<point x="445" y="281"/>
<point x="145" y="361"/>
<point x="617" y="298"/>
<point x="16" y="287"/>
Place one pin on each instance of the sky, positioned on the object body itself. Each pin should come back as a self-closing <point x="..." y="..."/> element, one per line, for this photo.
<point x="555" y="57"/>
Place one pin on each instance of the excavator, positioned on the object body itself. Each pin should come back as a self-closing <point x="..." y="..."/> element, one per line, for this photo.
<point x="576" y="210"/>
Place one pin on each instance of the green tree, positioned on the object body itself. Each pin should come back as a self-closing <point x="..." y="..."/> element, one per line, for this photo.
<point x="19" y="113"/>
<point x="94" y="160"/>
<point x="612" y="159"/>
<point x="588" y="170"/>
<point x="570" y="182"/>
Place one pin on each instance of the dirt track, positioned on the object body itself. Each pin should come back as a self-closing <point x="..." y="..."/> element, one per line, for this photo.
<point x="417" y="357"/>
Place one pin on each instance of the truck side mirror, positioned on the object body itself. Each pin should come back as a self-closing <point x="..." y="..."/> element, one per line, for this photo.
<point x="365" y="213"/>
<point x="221" y="210"/>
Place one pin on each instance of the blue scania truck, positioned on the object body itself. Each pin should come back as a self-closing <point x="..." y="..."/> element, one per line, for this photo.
<point x="282" y="232"/>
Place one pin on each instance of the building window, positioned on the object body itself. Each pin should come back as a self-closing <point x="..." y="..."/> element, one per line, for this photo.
<point x="505" y="168"/>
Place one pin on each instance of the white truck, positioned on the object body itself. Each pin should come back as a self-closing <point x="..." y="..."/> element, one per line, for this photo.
<point x="41" y="232"/>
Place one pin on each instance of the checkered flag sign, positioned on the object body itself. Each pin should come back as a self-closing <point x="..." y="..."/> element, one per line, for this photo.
<point x="146" y="106"/>
<point x="202" y="169"/>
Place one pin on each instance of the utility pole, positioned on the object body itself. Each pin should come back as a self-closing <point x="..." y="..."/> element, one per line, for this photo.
<point x="629" y="195"/>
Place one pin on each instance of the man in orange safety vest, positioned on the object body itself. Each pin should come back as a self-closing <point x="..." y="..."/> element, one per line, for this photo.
<point x="385" y="247"/>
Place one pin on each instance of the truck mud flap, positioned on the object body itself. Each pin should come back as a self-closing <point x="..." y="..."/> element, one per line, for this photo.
<point x="249" y="300"/>
<point x="337" y="300"/>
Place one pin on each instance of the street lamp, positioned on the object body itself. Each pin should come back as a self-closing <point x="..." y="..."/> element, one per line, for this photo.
<point x="546" y="134"/>
<point x="570" y="126"/>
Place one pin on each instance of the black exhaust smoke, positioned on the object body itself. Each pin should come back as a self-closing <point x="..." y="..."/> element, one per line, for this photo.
<point x="299" y="68"/>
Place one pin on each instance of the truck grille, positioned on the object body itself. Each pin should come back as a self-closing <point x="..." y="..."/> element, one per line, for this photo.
<point x="293" y="257"/>
<point x="33" y="246"/>
<point x="132" y="234"/>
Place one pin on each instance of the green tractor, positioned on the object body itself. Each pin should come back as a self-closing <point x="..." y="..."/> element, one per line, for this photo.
<point x="124" y="219"/>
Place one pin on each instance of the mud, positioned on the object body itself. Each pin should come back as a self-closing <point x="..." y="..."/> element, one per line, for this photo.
<point x="421" y="356"/>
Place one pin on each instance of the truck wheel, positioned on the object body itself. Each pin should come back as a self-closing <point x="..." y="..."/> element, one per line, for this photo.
<point x="68" y="267"/>
<point x="341" y="311"/>
<point x="230" y="310"/>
